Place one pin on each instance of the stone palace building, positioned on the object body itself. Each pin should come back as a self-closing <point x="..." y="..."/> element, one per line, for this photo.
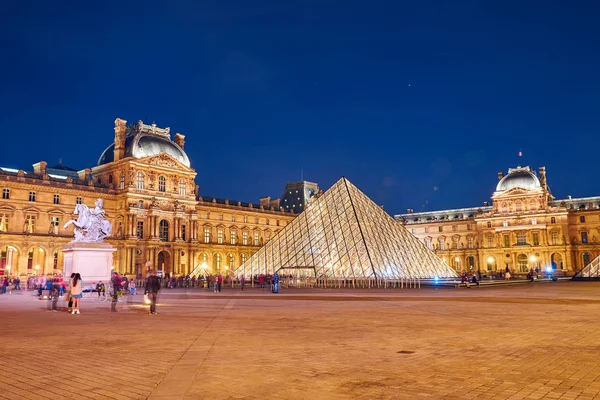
<point x="524" y="228"/>
<point x="148" y="186"/>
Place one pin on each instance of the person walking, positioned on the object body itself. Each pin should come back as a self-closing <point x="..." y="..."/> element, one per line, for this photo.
<point x="219" y="282"/>
<point x="76" y="293"/>
<point x="116" y="284"/>
<point x="242" y="282"/>
<point x="152" y="288"/>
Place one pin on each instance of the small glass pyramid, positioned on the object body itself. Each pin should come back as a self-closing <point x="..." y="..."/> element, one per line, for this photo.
<point x="591" y="271"/>
<point x="344" y="235"/>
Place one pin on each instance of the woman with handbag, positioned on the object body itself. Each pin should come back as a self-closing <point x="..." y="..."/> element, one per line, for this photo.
<point x="76" y="293"/>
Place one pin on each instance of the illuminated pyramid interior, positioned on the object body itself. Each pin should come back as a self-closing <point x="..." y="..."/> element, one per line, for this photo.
<point x="344" y="235"/>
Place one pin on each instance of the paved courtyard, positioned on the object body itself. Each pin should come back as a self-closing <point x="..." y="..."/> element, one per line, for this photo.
<point x="511" y="342"/>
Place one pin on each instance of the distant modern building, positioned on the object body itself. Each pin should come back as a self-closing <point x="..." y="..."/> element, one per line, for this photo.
<point x="298" y="195"/>
<point x="525" y="227"/>
<point x="150" y="197"/>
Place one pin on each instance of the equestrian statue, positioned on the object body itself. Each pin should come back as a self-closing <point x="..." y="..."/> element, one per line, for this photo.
<point x="90" y="225"/>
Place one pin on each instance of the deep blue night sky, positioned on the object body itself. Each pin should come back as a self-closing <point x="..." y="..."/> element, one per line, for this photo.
<point x="419" y="104"/>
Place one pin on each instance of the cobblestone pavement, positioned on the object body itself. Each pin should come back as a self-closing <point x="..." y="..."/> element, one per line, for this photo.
<point x="512" y="342"/>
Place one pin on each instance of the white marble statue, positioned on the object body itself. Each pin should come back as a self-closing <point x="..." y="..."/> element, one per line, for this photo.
<point x="90" y="226"/>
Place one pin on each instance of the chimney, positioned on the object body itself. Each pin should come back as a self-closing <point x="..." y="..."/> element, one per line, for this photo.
<point x="409" y="210"/>
<point x="486" y="203"/>
<point x="265" y="201"/>
<point x="120" y="132"/>
<point x="500" y="175"/>
<point x="180" y="140"/>
<point x="40" y="168"/>
<point x="84" y="174"/>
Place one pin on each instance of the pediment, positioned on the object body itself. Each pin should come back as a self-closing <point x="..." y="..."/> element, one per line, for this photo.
<point x="164" y="160"/>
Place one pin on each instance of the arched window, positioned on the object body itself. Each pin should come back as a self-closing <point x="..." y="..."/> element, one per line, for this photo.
<point x="182" y="187"/>
<point x="162" y="183"/>
<point x="218" y="261"/>
<point x="164" y="230"/>
<point x="231" y="261"/>
<point x="243" y="256"/>
<point x="518" y="206"/>
<point x="110" y="178"/>
<point x="140" y="180"/>
<point x="122" y="181"/>
<point x="523" y="263"/>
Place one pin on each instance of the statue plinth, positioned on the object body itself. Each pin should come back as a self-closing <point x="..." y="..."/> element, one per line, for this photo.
<point x="93" y="261"/>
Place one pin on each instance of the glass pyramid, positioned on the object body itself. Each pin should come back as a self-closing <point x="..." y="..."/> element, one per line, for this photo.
<point x="591" y="271"/>
<point x="344" y="235"/>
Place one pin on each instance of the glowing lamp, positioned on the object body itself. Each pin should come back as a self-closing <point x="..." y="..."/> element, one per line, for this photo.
<point x="532" y="258"/>
<point x="147" y="300"/>
<point x="491" y="260"/>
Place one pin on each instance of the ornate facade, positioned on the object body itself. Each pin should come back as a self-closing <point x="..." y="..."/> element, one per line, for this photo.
<point x="523" y="228"/>
<point x="151" y="199"/>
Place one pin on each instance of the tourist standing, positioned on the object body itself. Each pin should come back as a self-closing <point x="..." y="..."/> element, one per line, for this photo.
<point x="152" y="288"/>
<point x="69" y="299"/>
<point x="219" y="282"/>
<point x="76" y="293"/>
<point x="242" y="282"/>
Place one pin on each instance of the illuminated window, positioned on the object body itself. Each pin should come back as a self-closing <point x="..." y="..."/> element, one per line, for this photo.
<point x="206" y="235"/>
<point x="533" y="221"/>
<point x="233" y="237"/>
<point x="506" y="240"/>
<point x="536" y="239"/>
<point x="220" y="236"/>
<point x="428" y="243"/>
<point x="256" y="238"/>
<point x="164" y="231"/>
<point x="54" y="223"/>
<point x="231" y="261"/>
<point x="233" y="218"/>
<point x="245" y="238"/>
<point x="122" y="181"/>
<point x="140" y="181"/>
<point x="470" y="242"/>
<point x="413" y="230"/>
<point x="3" y="222"/>
<point x="140" y="229"/>
<point x="218" y="261"/>
<point x="442" y="244"/>
<point x="182" y="188"/>
<point x="243" y="256"/>
<point x="505" y="223"/>
<point x="245" y="219"/>
<point x="6" y="194"/>
<point x="162" y="184"/>
<point x="31" y="196"/>
<point x="490" y="240"/>
<point x="554" y="238"/>
<point x="518" y="206"/>
<point x="78" y="200"/>
<point x="30" y="224"/>
<point x="455" y="243"/>
<point x="521" y="238"/>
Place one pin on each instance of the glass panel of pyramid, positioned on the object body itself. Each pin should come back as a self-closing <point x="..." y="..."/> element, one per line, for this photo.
<point x="591" y="271"/>
<point x="344" y="234"/>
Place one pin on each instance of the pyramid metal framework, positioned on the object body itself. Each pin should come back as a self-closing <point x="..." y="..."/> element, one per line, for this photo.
<point x="343" y="235"/>
<point x="591" y="271"/>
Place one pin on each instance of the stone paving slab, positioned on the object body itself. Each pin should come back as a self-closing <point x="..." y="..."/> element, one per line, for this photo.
<point x="538" y="341"/>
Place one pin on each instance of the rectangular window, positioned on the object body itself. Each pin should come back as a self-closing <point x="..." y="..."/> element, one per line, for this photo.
<point x="140" y="229"/>
<point x="454" y="228"/>
<point x="31" y="196"/>
<point x="470" y="242"/>
<point x="455" y="243"/>
<point x="256" y="238"/>
<point x="256" y="220"/>
<point x="56" y="199"/>
<point x="582" y="219"/>
<point x="220" y="217"/>
<point x="245" y="219"/>
<point x="207" y="215"/>
<point x="506" y="240"/>
<point x="267" y="221"/>
<point x="78" y="201"/>
<point x="505" y="223"/>
<point x="245" y="238"/>
<point x="442" y="244"/>
<point x="233" y="237"/>
<point x="6" y="194"/>
<point x="54" y="223"/>
<point x="554" y="238"/>
<point x="220" y="236"/>
<point x="584" y="238"/>
<point x="440" y="229"/>
<point x="122" y="181"/>
<point x="533" y="221"/>
<point x="182" y="187"/>
<point x="426" y="229"/>
<point x="233" y="218"/>
<point x="428" y="243"/>
<point x="3" y="223"/>
<point x="206" y="235"/>
<point x="30" y="224"/>
<point x="490" y="240"/>
<point x="553" y="220"/>
<point x="277" y="222"/>
<point x="183" y="233"/>
<point x="536" y="239"/>
<point x="521" y="238"/>
<point x="489" y="224"/>
<point x="469" y="227"/>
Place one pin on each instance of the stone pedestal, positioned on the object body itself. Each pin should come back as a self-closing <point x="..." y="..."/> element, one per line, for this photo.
<point x="93" y="261"/>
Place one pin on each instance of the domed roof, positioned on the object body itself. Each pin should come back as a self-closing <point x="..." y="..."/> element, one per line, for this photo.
<point x="141" y="144"/>
<point x="522" y="177"/>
